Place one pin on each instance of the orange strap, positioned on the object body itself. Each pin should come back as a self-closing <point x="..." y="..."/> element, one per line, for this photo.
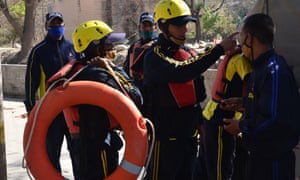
<point x="72" y="116"/>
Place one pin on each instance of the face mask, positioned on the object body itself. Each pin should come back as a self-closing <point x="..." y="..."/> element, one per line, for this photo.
<point x="56" y="31"/>
<point x="110" y="54"/>
<point x="147" y="34"/>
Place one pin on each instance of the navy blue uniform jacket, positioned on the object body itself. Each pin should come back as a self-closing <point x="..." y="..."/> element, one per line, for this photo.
<point x="270" y="123"/>
<point x="159" y="70"/>
<point x="45" y="59"/>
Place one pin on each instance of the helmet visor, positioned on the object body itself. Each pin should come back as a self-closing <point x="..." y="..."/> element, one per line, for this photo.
<point x="115" y="38"/>
<point x="182" y="20"/>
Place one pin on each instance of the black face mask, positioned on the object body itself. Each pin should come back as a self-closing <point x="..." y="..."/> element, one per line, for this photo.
<point x="244" y="43"/>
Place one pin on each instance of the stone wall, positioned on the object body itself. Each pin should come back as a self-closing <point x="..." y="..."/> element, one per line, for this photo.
<point x="14" y="76"/>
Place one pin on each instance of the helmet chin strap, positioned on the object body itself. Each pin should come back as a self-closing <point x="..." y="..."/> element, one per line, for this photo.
<point x="179" y="42"/>
<point x="176" y="41"/>
<point x="249" y="46"/>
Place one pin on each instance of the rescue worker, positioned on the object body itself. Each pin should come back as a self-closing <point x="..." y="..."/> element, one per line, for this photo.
<point x="133" y="65"/>
<point x="99" y="144"/>
<point x="270" y="126"/>
<point x="220" y="151"/>
<point x="44" y="60"/>
<point x="172" y="79"/>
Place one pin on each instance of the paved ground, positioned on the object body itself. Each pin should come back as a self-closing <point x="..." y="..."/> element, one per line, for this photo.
<point x="14" y="122"/>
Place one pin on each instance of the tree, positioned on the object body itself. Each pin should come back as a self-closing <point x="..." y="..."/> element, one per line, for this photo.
<point x="217" y="18"/>
<point x="24" y="30"/>
<point x="196" y="6"/>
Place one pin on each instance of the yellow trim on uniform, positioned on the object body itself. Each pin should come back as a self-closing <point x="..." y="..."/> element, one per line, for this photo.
<point x="104" y="162"/>
<point x="209" y="109"/>
<point x="238" y="115"/>
<point x="250" y="95"/>
<point x="238" y="64"/>
<point x="2" y="136"/>
<point x="156" y="160"/>
<point x="180" y="63"/>
<point x="42" y="86"/>
<point x="220" y="153"/>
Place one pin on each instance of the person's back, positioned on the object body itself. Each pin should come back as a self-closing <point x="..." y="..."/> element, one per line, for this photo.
<point x="98" y="143"/>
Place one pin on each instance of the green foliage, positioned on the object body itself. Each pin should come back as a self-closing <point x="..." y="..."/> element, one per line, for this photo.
<point x="6" y="35"/>
<point x="217" y="24"/>
<point x="18" y="10"/>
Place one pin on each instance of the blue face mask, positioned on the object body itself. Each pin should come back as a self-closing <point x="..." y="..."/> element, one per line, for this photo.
<point x="147" y="34"/>
<point x="56" y="31"/>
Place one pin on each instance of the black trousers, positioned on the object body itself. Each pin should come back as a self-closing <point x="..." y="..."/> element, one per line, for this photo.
<point x="219" y="151"/>
<point x="281" y="167"/>
<point x="173" y="159"/>
<point x="54" y="140"/>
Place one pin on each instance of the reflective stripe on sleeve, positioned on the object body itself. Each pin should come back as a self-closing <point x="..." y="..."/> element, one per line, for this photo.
<point x="130" y="167"/>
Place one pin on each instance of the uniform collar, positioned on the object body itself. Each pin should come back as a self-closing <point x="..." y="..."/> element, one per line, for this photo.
<point x="166" y="42"/>
<point x="50" y="39"/>
<point x="263" y="57"/>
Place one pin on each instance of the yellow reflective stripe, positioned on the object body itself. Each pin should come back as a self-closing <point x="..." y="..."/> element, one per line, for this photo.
<point x="220" y="153"/>
<point x="156" y="160"/>
<point x="42" y="86"/>
<point x="130" y="167"/>
<point x="196" y="133"/>
<point x="238" y="115"/>
<point x="2" y="136"/>
<point x="209" y="109"/>
<point x="104" y="163"/>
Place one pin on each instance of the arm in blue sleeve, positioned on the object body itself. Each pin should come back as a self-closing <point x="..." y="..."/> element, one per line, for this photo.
<point x="265" y="107"/>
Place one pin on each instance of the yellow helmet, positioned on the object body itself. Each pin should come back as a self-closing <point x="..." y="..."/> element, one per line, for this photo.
<point x="169" y="9"/>
<point x="87" y="32"/>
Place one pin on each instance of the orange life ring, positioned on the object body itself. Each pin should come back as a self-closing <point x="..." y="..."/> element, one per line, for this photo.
<point x="86" y="92"/>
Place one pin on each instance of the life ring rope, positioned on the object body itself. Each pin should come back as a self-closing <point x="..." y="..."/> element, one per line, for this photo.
<point x="34" y="122"/>
<point x="143" y="171"/>
<point x="24" y="165"/>
<point x="65" y="82"/>
<point x="133" y="161"/>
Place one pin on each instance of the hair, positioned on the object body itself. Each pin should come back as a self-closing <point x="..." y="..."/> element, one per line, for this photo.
<point x="163" y="25"/>
<point x="261" y="26"/>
